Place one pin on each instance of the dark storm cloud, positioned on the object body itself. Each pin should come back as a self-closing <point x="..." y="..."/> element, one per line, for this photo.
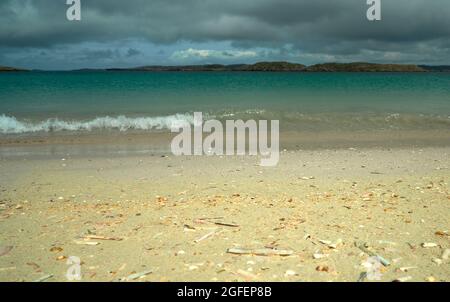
<point x="133" y="52"/>
<point x="335" y="28"/>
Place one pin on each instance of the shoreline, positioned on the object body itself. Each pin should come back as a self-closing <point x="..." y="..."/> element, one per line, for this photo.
<point x="135" y="142"/>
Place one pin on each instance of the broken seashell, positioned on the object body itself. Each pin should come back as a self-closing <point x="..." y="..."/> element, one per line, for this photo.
<point x="429" y="244"/>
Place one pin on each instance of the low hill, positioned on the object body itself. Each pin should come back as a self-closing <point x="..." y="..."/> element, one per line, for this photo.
<point x="261" y="66"/>
<point x="8" y="69"/>
<point x="273" y="66"/>
<point x="363" y="67"/>
<point x="439" y="68"/>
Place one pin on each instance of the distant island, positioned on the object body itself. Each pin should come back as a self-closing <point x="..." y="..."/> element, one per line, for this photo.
<point x="276" y="67"/>
<point x="261" y="66"/>
<point x="9" y="69"/>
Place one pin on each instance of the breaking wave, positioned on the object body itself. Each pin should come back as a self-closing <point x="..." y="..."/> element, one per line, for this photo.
<point x="11" y="125"/>
<point x="290" y="120"/>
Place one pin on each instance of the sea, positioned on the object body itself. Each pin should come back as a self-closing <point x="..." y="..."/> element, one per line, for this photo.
<point x="83" y="102"/>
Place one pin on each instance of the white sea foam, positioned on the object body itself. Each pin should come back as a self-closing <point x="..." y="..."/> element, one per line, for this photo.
<point x="11" y="125"/>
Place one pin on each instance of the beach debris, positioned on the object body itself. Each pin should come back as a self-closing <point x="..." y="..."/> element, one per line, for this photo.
<point x="5" y="250"/>
<point x="137" y="275"/>
<point x="403" y="279"/>
<point x="231" y="225"/>
<point x="441" y="233"/>
<point x="330" y="244"/>
<point x="35" y="266"/>
<point x="290" y="273"/>
<point x="387" y="242"/>
<point x="320" y="256"/>
<point x="446" y="254"/>
<point x="9" y="268"/>
<point x="97" y="237"/>
<point x="429" y="244"/>
<point x="430" y="279"/>
<point x="260" y="252"/>
<point x="411" y="246"/>
<point x="365" y="248"/>
<point x="61" y="257"/>
<point x="206" y="236"/>
<point x="322" y="268"/>
<point x="43" y="278"/>
<point x="161" y="200"/>
<point x="247" y="275"/>
<point x="362" y="277"/>
<point x="406" y="268"/>
<point x="87" y="242"/>
<point x="181" y="252"/>
<point x="56" y="249"/>
<point x="187" y="227"/>
<point x="220" y="223"/>
<point x="437" y="261"/>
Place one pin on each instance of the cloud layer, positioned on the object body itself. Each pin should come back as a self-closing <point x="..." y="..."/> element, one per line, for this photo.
<point x="36" y="33"/>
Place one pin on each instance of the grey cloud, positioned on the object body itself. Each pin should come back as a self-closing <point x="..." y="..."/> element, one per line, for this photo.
<point x="336" y="28"/>
<point x="132" y="52"/>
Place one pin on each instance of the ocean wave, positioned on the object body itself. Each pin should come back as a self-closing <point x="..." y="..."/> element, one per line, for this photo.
<point x="11" y="125"/>
<point x="290" y="120"/>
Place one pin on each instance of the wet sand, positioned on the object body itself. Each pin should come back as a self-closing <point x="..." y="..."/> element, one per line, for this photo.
<point x="178" y="216"/>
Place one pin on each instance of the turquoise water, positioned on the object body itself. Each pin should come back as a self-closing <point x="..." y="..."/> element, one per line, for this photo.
<point x="83" y="101"/>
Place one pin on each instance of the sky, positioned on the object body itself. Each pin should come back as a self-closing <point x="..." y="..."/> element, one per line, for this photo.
<point x="127" y="33"/>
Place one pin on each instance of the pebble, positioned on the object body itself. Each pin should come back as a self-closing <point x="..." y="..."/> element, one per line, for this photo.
<point x="322" y="268"/>
<point x="403" y="279"/>
<point x="407" y="268"/>
<point x="290" y="273"/>
<point x="446" y="254"/>
<point x="320" y="256"/>
<point x="137" y="275"/>
<point x="246" y="274"/>
<point x="437" y="261"/>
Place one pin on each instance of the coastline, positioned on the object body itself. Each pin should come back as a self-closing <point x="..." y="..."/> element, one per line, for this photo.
<point x="271" y="66"/>
<point x="100" y="143"/>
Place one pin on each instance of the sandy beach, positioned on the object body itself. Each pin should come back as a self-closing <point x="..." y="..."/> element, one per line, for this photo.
<point x="170" y="218"/>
